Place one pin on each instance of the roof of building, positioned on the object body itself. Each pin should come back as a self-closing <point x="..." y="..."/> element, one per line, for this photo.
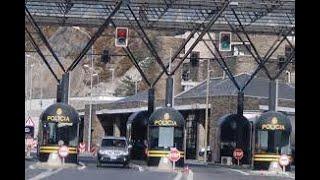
<point x="139" y="97"/>
<point x="258" y="87"/>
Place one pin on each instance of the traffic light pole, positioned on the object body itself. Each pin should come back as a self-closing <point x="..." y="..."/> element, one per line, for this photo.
<point x="94" y="37"/>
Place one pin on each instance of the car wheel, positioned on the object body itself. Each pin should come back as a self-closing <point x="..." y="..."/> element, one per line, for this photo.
<point x="98" y="164"/>
<point x="126" y="165"/>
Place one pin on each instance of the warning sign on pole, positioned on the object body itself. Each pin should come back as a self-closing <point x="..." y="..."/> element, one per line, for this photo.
<point x="29" y="122"/>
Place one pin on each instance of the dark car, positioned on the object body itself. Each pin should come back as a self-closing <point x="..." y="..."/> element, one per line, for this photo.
<point x="114" y="150"/>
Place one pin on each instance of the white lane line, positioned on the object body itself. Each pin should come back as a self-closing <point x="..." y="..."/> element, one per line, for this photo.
<point x="178" y="176"/>
<point x="45" y="174"/>
<point x="137" y="166"/>
<point x="82" y="166"/>
<point x="239" y="171"/>
<point x="190" y="176"/>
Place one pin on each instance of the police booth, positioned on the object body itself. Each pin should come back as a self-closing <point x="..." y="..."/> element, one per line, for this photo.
<point x="272" y="138"/>
<point x="58" y="122"/>
<point x="165" y="130"/>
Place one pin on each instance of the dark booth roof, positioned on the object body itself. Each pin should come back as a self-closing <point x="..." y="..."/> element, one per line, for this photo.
<point x="67" y="110"/>
<point x="270" y="116"/>
<point x="174" y="115"/>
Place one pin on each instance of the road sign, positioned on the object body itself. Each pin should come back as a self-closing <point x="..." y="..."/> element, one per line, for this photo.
<point x="63" y="151"/>
<point x="174" y="155"/>
<point x="82" y="147"/>
<point x="238" y="154"/>
<point x="284" y="161"/>
<point x="29" y="122"/>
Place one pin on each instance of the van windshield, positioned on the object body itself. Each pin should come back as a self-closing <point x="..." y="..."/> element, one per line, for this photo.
<point x="113" y="143"/>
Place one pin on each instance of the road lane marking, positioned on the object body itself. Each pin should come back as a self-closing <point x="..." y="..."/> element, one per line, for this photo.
<point x="45" y="174"/>
<point x="178" y="176"/>
<point x="239" y="171"/>
<point x="137" y="166"/>
<point x="190" y="175"/>
<point x="82" y="166"/>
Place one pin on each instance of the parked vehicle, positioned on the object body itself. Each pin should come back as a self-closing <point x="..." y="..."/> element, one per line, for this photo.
<point x="114" y="150"/>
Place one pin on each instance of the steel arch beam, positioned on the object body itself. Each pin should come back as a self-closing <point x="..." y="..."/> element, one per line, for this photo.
<point x="36" y="47"/>
<point x="94" y="37"/>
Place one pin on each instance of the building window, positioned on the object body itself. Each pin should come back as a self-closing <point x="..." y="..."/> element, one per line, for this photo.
<point x="238" y="49"/>
<point x="194" y="58"/>
<point x="287" y="51"/>
<point x="186" y="72"/>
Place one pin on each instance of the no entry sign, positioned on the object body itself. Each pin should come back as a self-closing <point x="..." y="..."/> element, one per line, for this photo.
<point x="63" y="151"/>
<point x="284" y="160"/>
<point x="238" y="154"/>
<point x="174" y="155"/>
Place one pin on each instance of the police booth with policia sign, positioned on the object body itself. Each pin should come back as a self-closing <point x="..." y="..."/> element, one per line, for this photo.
<point x="272" y="138"/>
<point x="58" y="122"/>
<point x="165" y="130"/>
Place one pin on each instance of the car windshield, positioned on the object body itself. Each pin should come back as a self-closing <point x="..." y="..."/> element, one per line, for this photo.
<point x="113" y="143"/>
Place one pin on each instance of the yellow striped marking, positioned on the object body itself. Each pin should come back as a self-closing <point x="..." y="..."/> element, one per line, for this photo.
<point x="268" y="157"/>
<point x="51" y="149"/>
<point x="161" y="153"/>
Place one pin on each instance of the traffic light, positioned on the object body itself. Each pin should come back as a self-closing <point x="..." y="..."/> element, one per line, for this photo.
<point x="121" y="37"/>
<point x="281" y="61"/>
<point x="225" y="41"/>
<point x="105" y="57"/>
<point x="194" y="59"/>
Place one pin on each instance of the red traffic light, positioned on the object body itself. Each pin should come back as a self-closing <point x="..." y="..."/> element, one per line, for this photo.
<point x="121" y="37"/>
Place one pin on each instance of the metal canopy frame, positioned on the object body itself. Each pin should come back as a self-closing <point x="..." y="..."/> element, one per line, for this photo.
<point x="251" y="16"/>
<point x="165" y="14"/>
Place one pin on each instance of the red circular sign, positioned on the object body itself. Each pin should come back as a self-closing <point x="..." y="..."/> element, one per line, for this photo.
<point x="238" y="153"/>
<point x="63" y="151"/>
<point x="284" y="160"/>
<point x="174" y="155"/>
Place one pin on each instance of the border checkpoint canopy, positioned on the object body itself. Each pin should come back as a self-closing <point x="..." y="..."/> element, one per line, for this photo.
<point x="61" y="113"/>
<point x="166" y="116"/>
<point x="273" y="120"/>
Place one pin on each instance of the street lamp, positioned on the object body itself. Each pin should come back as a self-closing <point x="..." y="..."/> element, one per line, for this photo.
<point x="207" y="112"/>
<point x="90" y="107"/>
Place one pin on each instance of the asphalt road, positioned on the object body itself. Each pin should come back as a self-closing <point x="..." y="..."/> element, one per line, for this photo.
<point x="91" y="172"/>
<point x="220" y="173"/>
<point x="137" y="171"/>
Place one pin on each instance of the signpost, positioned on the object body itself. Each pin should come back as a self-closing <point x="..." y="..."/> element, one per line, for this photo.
<point x="174" y="156"/>
<point x="284" y="161"/>
<point x="238" y="154"/>
<point x="63" y="152"/>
